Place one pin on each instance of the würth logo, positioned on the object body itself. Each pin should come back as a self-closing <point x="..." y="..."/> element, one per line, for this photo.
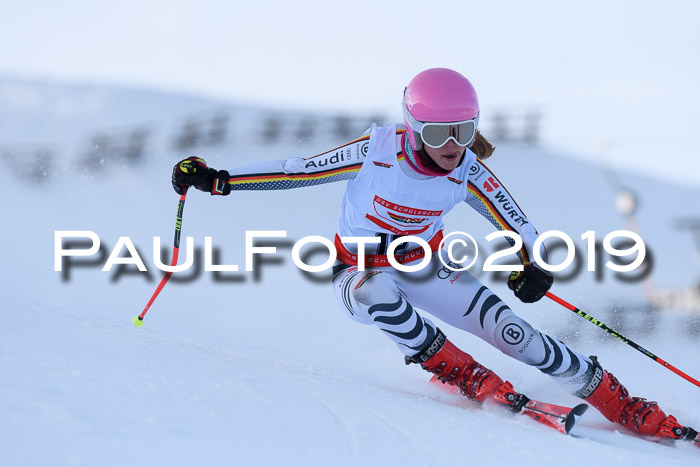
<point x="490" y="185"/>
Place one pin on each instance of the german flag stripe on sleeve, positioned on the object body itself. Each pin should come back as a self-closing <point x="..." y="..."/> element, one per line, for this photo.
<point x="273" y="177"/>
<point x="341" y="163"/>
<point x="337" y="164"/>
<point x="283" y="181"/>
<point x="502" y="186"/>
<point x="495" y="216"/>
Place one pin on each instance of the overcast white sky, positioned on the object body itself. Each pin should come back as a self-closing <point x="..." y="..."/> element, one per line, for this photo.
<point x="625" y="73"/>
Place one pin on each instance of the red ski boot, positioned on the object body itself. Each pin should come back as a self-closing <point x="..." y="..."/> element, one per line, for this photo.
<point x="457" y="368"/>
<point x="613" y="400"/>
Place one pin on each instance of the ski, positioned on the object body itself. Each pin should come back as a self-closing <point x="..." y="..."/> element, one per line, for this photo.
<point x="562" y="419"/>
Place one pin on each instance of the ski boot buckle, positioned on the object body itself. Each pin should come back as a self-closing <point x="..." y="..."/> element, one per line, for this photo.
<point x="506" y="395"/>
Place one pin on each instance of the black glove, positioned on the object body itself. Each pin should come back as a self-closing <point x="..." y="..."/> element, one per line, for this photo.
<point x="193" y="171"/>
<point x="530" y="284"/>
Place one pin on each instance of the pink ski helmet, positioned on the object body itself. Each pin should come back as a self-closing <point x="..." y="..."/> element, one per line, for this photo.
<point x="439" y="95"/>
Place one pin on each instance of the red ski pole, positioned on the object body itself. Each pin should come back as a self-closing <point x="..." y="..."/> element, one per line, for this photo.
<point x="624" y="339"/>
<point x="138" y="320"/>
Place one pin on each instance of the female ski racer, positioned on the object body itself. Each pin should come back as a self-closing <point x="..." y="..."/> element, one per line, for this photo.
<point x="402" y="181"/>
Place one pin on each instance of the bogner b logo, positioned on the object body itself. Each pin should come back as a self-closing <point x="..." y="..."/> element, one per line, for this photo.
<point x="513" y="334"/>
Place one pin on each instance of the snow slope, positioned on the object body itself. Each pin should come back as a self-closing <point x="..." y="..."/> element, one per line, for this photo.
<point x="265" y="369"/>
<point x="93" y="391"/>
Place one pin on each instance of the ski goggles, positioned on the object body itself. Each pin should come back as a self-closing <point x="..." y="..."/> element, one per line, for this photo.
<point x="437" y="134"/>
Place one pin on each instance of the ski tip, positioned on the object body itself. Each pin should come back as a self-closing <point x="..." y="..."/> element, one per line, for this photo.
<point x="138" y="321"/>
<point x="573" y="417"/>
